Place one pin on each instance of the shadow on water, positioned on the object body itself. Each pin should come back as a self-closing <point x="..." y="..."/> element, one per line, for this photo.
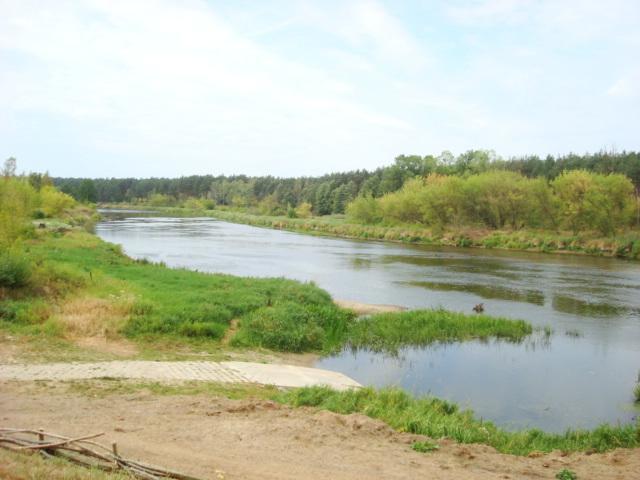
<point x="459" y="264"/>
<point x="535" y="297"/>
<point x="575" y="306"/>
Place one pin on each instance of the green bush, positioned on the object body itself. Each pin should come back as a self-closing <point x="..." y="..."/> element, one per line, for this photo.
<point x="15" y="269"/>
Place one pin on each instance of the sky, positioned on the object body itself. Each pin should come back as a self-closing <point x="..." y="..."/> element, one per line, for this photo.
<point x="111" y="88"/>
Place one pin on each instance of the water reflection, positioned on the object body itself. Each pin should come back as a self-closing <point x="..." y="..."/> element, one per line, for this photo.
<point x="486" y="291"/>
<point x="567" y="304"/>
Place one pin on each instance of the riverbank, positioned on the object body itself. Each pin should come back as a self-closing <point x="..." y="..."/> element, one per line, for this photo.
<point x="625" y="245"/>
<point x="84" y="288"/>
<point x="210" y="431"/>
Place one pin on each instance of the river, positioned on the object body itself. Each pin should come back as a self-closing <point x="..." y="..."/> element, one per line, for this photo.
<point x="580" y="376"/>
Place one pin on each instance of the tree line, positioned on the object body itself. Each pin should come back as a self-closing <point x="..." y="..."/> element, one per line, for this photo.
<point x="331" y="193"/>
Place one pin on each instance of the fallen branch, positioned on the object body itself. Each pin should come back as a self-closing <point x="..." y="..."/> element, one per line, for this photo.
<point x="82" y="451"/>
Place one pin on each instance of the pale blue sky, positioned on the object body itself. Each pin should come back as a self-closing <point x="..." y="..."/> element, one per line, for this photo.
<point x="170" y="88"/>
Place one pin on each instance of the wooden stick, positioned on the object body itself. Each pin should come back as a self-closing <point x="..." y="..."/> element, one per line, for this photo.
<point x="60" y="444"/>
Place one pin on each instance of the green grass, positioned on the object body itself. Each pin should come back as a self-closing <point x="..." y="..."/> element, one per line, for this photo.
<point x="293" y="327"/>
<point x="391" y="331"/>
<point x="425" y="447"/>
<point x="440" y="419"/>
<point x="152" y="304"/>
<point x="636" y="393"/>
<point x="165" y="302"/>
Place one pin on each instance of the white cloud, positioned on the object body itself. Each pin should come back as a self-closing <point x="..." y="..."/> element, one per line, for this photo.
<point x="626" y="87"/>
<point x="174" y="78"/>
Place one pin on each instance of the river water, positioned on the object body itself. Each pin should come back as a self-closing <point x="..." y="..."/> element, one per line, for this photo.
<point x="580" y="376"/>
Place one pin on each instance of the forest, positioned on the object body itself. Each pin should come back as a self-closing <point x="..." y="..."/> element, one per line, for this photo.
<point x="332" y="193"/>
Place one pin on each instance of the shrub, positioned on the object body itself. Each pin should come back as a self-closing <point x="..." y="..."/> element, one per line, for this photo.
<point x="53" y="202"/>
<point x="15" y="269"/>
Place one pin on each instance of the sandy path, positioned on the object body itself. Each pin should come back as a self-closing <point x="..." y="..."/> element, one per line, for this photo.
<point x="226" y="372"/>
<point x="250" y="439"/>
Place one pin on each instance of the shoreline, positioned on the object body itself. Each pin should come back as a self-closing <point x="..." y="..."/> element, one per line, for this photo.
<point x="497" y="240"/>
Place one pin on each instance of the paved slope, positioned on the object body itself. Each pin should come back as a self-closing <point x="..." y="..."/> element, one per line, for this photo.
<point x="228" y="372"/>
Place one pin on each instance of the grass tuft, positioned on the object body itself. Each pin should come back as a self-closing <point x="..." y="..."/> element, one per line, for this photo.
<point x="390" y="331"/>
<point x="437" y="419"/>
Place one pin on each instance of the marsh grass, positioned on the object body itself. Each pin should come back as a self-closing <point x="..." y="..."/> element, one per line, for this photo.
<point x="391" y="331"/>
<point x="440" y="419"/>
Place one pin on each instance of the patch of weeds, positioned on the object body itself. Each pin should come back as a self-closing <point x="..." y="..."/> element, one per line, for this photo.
<point x="425" y="447"/>
<point x="565" y="474"/>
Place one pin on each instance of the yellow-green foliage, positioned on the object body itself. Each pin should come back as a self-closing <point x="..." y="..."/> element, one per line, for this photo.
<point x="577" y="200"/>
<point x="304" y="210"/>
<point x="590" y="201"/>
<point x="53" y="202"/>
<point x="17" y="200"/>
<point x="160" y="200"/>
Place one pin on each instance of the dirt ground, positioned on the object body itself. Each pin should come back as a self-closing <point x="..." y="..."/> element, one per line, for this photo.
<point x="218" y="438"/>
<point x="368" y="308"/>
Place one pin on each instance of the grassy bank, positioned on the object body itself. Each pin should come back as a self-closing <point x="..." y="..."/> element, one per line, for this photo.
<point x="429" y="416"/>
<point x="621" y="246"/>
<point x="81" y="286"/>
<point x="440" y="419"/>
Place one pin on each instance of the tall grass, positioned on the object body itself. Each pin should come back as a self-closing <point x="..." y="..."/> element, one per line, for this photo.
<point x="390" y="331"/>
<point x="440" y="419"/>
<point x="295" y="328"/>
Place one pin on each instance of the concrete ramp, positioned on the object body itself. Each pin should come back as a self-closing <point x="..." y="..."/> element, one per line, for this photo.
<point x="225" y="372"/>
<point x="291" y="375"/>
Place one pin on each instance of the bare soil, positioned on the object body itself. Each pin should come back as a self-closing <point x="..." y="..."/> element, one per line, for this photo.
<point x="368" y="308"/>
<point x="257" y="439"/>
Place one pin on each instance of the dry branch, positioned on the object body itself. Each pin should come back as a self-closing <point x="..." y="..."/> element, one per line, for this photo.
<point x="78" y="451"/>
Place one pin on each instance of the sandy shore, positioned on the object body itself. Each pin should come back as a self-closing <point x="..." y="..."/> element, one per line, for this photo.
<point x="368" y="308"/>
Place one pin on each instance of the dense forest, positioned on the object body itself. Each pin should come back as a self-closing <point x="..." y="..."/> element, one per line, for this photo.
<point x="333" y="192"/>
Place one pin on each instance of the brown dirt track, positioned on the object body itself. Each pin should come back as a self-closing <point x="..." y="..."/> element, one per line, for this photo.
<point x="257" y="439"/>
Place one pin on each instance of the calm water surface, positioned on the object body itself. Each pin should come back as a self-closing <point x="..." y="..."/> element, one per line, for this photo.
<point x="580" y="376"/>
